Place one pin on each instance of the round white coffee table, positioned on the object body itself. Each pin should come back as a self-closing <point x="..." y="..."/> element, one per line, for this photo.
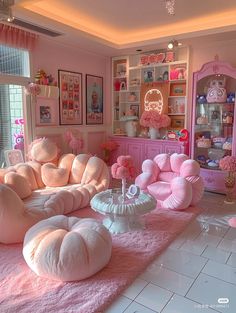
<point x="122" y="216"/>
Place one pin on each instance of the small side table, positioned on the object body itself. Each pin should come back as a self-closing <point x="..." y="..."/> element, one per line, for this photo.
<point x="122" y="215"/>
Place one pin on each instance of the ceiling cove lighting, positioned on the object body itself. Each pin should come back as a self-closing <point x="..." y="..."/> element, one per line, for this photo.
<point x="6" y="11"/>
<point x="170" y="6"/>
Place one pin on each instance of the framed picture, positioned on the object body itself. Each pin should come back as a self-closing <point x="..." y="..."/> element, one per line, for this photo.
<point x="135" y="109"/>
<point x="94" y="99"/>
<point x="13" y="157"/>
<point x="70" y="88"/>
<point x="46" y="111"/>
<point x="178" y="89"/>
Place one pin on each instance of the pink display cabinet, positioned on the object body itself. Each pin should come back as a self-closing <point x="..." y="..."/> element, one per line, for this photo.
<point x="213" y="120"/>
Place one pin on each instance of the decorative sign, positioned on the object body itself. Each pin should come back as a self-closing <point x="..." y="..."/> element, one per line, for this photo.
<point x="153" y="100"/>
<point x="157" y="58"/>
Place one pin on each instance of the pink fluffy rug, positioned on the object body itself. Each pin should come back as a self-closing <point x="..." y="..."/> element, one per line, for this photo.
<point x="22" y="291"/>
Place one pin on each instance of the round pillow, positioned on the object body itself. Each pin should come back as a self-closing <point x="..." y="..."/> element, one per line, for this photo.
<point x="67" y="248"/>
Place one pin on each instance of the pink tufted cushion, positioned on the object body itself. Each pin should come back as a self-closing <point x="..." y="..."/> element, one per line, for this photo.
<point x="43" y="150"/>
<point x="190" y="168"/>
<point x="67" y="248"/>
<point x="53" y="176"/>
<point x="181" y="196"/>
<point x="176" y="160"/>
<point x="78" y="168"/>
<point x="26" y="171"/>
<point x="149" y="175"/>
<point x="18" y="183"/>
<point x="160" y="190"/>
<point x="163" y="162"/>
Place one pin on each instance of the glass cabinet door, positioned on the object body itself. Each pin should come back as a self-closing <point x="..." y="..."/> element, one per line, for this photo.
<point x="214" y="118"/>
<point x="213" y="121"/>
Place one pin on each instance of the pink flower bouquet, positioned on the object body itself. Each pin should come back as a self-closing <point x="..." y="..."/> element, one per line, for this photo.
<point x="228" y="163"/>
<point x="124" y="168"/>
<point x="155" y="120"/>
<point x="109" y="145"/>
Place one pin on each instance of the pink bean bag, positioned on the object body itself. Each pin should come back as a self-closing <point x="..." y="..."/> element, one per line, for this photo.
<point x="173" y="180"/>
<point x="67" y="248"/>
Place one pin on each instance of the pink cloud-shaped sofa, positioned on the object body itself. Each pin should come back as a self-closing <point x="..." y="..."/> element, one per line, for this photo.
<point x="46" y="186"/>
<point x="173" y="180"/>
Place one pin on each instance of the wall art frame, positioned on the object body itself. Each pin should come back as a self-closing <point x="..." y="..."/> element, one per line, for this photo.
<point x="70" y="97"/>
<point x="94" y="100"/>
<point x="46" y="112"/>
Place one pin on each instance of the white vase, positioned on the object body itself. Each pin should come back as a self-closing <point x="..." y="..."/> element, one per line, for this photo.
<point x="130" y="128"/>
<point x="154" y="133"/>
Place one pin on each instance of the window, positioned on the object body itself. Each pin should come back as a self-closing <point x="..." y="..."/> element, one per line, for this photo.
<point x="14" y="61"/>
<point x="14" y="68"/>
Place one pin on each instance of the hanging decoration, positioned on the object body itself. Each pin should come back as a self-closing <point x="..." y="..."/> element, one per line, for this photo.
<point x="170" y="6"/>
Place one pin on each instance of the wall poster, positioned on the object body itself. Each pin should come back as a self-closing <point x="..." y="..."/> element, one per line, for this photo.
<point x="70" y="87"/>
<point x="94" y="99"/>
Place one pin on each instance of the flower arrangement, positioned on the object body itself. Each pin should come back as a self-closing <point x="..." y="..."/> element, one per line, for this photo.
<point x="154" y="119"/>
<point x="228" y="163"/>
<point x="124" y="169"/>
<point x="108" y="146"/>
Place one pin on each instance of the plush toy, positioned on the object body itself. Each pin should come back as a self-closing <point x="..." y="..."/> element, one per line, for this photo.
<point x="217" y="92"/>
<point x="19" y="137"/>
<point x="19" y="141"/>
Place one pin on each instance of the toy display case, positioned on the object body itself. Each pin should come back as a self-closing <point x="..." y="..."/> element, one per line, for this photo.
<point x="213" y="120"/>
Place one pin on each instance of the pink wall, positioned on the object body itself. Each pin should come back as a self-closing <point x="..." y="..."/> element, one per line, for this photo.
<point x="51" y="56"/>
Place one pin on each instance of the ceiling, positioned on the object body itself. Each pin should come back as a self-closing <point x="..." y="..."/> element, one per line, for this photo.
<point x="112" y="27"/>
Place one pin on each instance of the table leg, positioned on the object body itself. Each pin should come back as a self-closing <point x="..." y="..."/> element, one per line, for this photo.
<point x="122" y="224"/>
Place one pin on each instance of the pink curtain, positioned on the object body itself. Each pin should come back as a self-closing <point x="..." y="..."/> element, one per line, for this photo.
<point x="16" y="37"/>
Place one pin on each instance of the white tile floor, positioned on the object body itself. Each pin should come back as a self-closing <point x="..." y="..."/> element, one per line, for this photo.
<point x="195" y="273"/>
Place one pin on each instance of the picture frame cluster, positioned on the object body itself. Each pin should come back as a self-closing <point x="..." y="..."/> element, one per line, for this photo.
<point x="70" y="109"/>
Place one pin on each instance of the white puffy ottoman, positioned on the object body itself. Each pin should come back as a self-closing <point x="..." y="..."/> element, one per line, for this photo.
<point x="67" y="248"/>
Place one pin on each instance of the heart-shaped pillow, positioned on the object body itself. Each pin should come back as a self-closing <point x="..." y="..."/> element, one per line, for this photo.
<point x="53" y="176"/>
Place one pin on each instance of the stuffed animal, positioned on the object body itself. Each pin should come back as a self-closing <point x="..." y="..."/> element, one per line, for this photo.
<point x="19" y="141"/>
<point x="217" y="92"/>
